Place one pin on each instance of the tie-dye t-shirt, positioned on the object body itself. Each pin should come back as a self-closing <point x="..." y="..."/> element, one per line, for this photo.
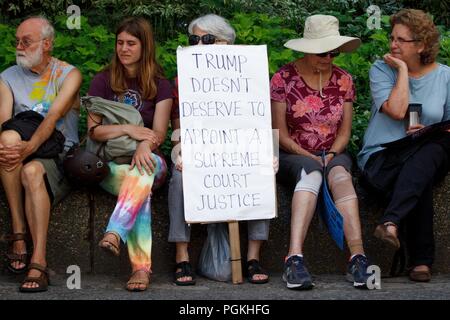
<point x="313" y="121"/>
<point x="32" y="91"/>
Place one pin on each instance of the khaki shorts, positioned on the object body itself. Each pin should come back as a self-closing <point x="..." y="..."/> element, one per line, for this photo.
<point x="57" y="184"/>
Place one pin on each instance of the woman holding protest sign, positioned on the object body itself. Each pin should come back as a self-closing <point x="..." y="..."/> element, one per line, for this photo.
<point x="312" y="103"/>
<point x="134" y="78"/>
<point x="409" y="91"/>
<point x="206" y="30"/>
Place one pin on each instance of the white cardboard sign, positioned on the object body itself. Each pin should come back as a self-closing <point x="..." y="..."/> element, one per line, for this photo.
<point x="226" y="133"/>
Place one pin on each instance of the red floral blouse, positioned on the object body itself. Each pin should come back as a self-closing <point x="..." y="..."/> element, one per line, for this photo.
<point x="312" y="121"/>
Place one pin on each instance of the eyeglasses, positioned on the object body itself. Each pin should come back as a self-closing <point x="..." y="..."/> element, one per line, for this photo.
<point x="401" y="40"/>
<point x="25" y="42"/>
<point x="206" y="39"/>
<point x="333" y="53"/>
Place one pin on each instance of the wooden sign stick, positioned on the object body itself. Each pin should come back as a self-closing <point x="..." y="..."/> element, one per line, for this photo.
<point x="235" y="248"/>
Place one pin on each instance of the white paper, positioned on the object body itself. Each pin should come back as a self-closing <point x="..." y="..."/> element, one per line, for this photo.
<point x="226" y="133"/>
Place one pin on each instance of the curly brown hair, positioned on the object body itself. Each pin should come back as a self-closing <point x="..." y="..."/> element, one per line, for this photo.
<point x="422" y="28"/>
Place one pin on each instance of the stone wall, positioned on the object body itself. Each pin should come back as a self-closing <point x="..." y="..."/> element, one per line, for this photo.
<point x="75" y="231"/>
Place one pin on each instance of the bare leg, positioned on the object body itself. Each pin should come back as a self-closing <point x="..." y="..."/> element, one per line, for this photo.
<point x="352" y="225"/>
<point x="303" y="207"/>
<point x="37" y="204"/>
<point x="13" y="190"/>
<point x="181" y="252"/>
<point x="254" y="247"/>
<point x="344" y="195"/>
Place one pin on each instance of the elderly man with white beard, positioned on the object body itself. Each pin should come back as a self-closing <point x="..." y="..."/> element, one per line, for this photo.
<point x="50" y="87"/>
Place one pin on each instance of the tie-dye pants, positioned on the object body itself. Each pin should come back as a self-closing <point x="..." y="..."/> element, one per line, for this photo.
<point x="131" y="218"/>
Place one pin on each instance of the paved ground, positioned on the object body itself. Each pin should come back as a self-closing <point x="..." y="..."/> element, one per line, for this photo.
<point x="328" y="287"/>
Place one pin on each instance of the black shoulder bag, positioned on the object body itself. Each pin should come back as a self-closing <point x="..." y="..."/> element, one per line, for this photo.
<point x="26" y="123"/>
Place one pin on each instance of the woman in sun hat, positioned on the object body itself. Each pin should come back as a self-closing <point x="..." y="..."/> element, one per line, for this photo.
<point x="312" y="102"/>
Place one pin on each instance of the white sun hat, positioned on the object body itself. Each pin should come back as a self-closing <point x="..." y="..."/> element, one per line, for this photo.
<point x="321" y="35"/>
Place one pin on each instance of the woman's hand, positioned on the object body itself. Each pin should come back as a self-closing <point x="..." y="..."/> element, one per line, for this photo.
<point x="395" y="63"/>
<point x="143" y="158"/>
<point x="327" y="159"/>
<point x="179" y="163"/>
<point x="276" y="165"/>
<point x="414" y="128"/>
<point x="141" y="133"/>
<point x="317" y="158"/>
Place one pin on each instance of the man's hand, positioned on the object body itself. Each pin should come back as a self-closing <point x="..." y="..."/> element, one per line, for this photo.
<point x="24" y="150"/>
<point x="8" y="155"/>
<point x="143" y="158"/>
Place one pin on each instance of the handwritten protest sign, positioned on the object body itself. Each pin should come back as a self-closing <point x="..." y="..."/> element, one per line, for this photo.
<point x="226" y="136"/>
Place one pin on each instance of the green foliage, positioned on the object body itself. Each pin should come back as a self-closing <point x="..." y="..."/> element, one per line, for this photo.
<point x="89" y="49"/>
<point x="258" y="22"/>
<point x="256" y="28"/>
<point x="358" y="64"/>
<point x="166" y="54"/>
<point x="7" y="50"/>
<point x="438" y="8"/>
<point x="444" y="56"/>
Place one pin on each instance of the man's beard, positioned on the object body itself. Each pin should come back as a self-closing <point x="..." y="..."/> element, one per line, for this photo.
<point x="29" y="60"/>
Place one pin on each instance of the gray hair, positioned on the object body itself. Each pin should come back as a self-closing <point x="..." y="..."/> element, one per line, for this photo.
<point x="215" y="25"/>
<point x="47" y="30"/>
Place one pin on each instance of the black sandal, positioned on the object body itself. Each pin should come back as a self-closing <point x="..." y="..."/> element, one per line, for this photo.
<point x="254" y="268"/>
<point x="186" y="271"/>
<point x="16" y="257"/>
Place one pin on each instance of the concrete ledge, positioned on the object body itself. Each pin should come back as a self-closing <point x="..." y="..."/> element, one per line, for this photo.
<point x="74" y="233"/>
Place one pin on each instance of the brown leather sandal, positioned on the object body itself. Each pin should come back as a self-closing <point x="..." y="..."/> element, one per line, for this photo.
<point x="420" y="276"/>
<point x="110" y="247"/>
<point x="42" y="281"/>
<point x="145" y="282"/>
<point x="382" y="233"/>
<point x="16" y="257"/>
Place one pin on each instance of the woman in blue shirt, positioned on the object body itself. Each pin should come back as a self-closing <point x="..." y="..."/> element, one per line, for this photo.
<point x="409" y="74"/>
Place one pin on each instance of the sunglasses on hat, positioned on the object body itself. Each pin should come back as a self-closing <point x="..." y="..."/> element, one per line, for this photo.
<point x="206" y="39"/>
<point x="333" y="53"/>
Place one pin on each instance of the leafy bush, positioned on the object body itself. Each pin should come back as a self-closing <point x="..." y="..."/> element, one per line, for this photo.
<point x="256" y="29"/>
<point x="90" y="49"/>
<point x="444" y="53"/>
<point x="7" y="50"/>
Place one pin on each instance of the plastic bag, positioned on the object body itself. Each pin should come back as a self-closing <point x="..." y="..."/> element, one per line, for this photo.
<point x="215" y="258"/>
